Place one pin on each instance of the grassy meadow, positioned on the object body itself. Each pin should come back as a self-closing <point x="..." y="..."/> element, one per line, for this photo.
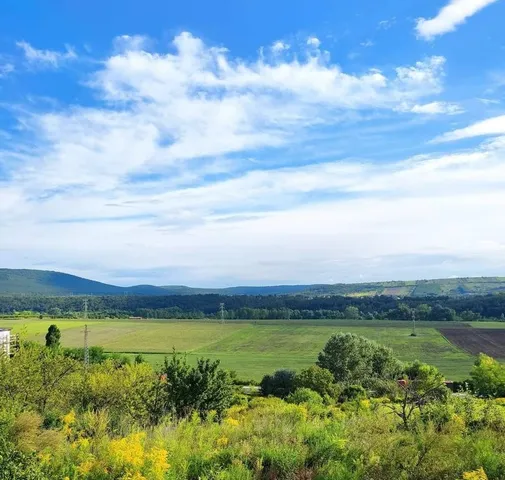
<point x="251" y="348"/>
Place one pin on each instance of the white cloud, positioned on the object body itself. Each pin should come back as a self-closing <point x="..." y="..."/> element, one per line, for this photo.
<point x="130" y="42"/>
<point x="367" y="43"/>
<point x="437" y="108"/>
<point x="50" y="58"/>
<point x="279" y="46"/>
<point x="489" y="101"/>
<point x="386" y="24"/>
<point x="449" y="17"/>
<point x="160" y="167"/>
<point x="313" y="42"/>
<point x="490" y="126"/>
<point x="5" y="69"/>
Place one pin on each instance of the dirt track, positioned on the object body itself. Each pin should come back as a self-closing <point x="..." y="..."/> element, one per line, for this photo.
<point x="477" y="340"/>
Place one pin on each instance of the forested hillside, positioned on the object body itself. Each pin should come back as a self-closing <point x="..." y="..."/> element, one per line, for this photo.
<point x="56" y="283"/>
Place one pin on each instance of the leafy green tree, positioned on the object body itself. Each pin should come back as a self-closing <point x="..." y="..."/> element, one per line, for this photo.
<point x="352" y="312"/>
<point x="54" y="311"/>
<point x="423" y="312"/>
<point x="422" y="384"/>
<point x="37" y="378"/>
<point x="53" y="336"/>
<point x="96" y="354"/>
<point x="122" y="390"/>
<point x="280" y="384"/>
<point x="16" y="465"/>
<point x="318" y="379"/>
<point x="201" y="389"/>
<point x="352" y="358"/>
<point x="439" y="313"/>
<point x="488" y="377"/>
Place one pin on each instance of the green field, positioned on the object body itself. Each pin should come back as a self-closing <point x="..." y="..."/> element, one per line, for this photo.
<point x="253" y="349"/>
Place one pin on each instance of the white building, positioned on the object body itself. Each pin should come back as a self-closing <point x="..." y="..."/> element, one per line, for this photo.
<point x="5" y="341"/>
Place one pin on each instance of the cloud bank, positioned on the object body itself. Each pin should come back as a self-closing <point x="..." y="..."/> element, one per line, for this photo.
<point x="195" y="166"/>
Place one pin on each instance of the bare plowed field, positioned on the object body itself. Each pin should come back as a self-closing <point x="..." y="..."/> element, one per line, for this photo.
<point x="477" y="340"/>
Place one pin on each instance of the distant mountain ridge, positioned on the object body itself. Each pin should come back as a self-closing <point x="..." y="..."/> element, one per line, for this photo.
<point x="44" y="282"/>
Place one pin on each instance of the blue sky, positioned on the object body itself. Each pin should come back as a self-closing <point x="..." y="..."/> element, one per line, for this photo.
<point x="222" y="143"/>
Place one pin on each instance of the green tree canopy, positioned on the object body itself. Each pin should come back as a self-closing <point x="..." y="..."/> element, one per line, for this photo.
<point x="53" y="336"/>
<point x="488" y="377"/>
<point x="201" y="389"/>
<point x="318" y="379"/>
<point x="352" y="358"/>
<point x="280" y="384"/>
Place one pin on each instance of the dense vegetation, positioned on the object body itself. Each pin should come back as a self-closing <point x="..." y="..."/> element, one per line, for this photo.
<point x="14" y="281"/>
<point x="262" y="307"/>
<point x="353" y="420"/>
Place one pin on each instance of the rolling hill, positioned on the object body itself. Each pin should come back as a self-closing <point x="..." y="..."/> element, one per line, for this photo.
<point x="43" y="282"/>
<point x="56" y="283"/>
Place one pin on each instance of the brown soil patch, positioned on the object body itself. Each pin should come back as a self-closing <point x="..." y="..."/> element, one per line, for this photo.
<point x="477" y="340"/>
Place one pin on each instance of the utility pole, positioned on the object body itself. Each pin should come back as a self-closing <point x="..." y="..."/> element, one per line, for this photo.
<point x="414" y="334"/>
<point x="86" y="346"/>
<point x="221" y="310"/>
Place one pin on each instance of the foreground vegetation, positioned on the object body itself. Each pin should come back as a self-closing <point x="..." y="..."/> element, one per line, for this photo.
<point x="346" y="417"/>
<point x="252" y="349"/>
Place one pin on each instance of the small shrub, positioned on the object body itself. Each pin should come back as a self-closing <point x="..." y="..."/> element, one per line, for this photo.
<point x="352" y="392"/>
<point x="305" y="395"/>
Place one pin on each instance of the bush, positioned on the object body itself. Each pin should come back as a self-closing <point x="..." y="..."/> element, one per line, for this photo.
<point x="15" y="465"/>
<point x="305" y="395"/>
<point x="319" y="380"/>
<point x="200" y="389"/>
<point x="351" y="393"/>
<point x="280" y="384"/>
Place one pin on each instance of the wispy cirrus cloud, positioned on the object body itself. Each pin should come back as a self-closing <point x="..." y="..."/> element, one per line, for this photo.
<point x="46" y="58"/>
<point x="489" y="127"/>
<point x="449" y="17"/>
<point x="434" y="108"/>
<point x="6" y="69"/>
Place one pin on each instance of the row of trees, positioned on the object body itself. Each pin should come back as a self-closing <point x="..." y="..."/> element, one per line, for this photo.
<point x="261" y="307"/>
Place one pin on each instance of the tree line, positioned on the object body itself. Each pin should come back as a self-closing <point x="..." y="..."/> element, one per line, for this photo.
<point x="469" y="308"/>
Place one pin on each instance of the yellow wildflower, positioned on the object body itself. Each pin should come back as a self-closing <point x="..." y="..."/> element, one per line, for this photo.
<point x="69" y="418"/>
<point x="222" y="441"/>
<point x="85" y="467"/>
<point x="232" y="422"/>
<point x="128" y="450"/>
<point x="478" y="474"/>
<point x="45" y="458"/>
<point x="157" y="458"/>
